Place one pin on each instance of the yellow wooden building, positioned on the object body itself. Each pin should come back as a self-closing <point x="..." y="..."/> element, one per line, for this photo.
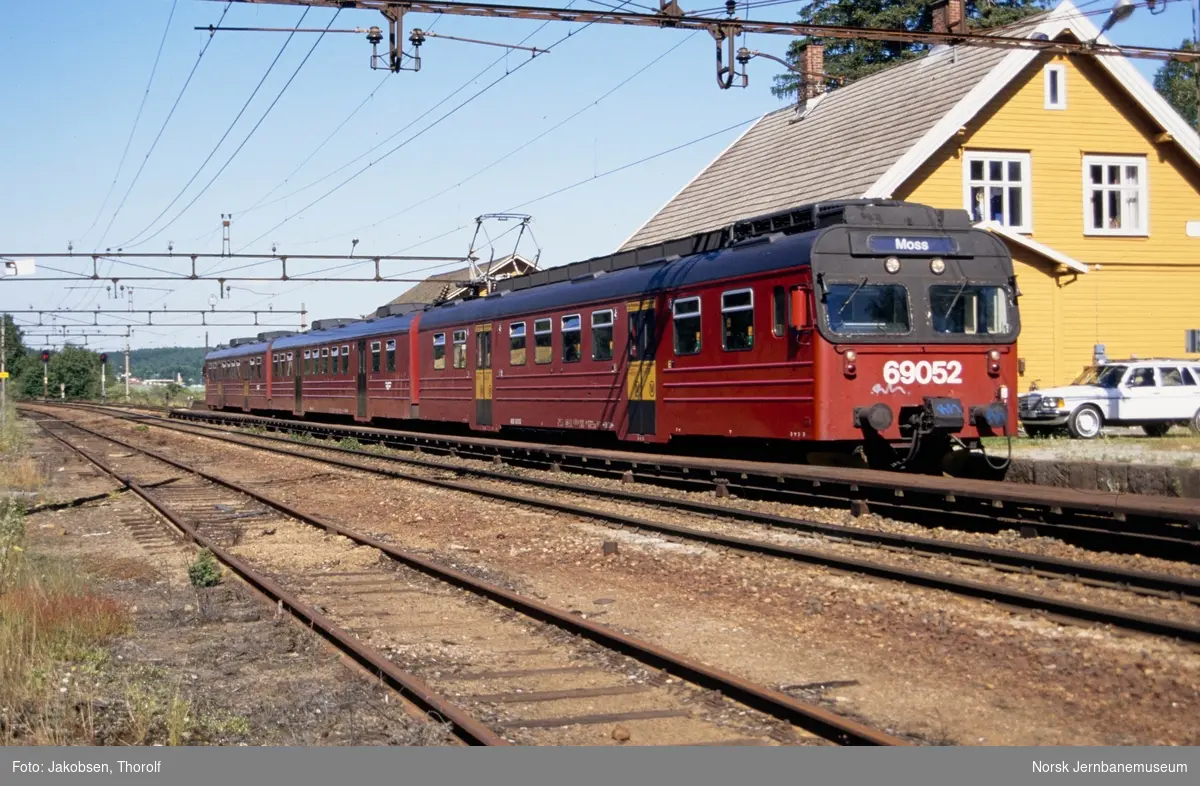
<point x="1092" y="179"/>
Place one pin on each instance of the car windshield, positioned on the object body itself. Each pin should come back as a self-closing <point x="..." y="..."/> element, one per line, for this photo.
<point x="969" y="309"/>
<point x="1101" y="376"/>
<point x="864" y="308"/>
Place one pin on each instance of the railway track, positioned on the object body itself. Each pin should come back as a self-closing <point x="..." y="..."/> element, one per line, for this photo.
<point x="518" y="669"/>
<point x="1124" y="523"/>
<point x="1149" y="583"/>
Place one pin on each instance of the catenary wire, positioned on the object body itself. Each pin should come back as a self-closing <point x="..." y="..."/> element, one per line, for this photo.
<point x="354" y="176"/>
<point x="131" y="242"/>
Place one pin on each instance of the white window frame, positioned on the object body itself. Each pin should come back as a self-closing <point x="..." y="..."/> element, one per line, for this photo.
<point x="675" y="316"/>
<point x="1143" y="230"/>
<point x="733" y="309"/>
<point x="1026" y="184"/>
<point x="1050" y="71"/>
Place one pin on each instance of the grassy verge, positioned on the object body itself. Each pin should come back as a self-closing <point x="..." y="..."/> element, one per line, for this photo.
<point x="53" y="630"/>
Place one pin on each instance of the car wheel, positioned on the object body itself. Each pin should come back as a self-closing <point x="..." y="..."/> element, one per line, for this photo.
<point x="1039" y="431"/>
<point x="1085" y="422"/>
<point x="1194" y="423"/>
<point x="1156" y="429"/>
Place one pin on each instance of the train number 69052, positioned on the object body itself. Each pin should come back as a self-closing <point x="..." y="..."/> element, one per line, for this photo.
<point x="923" y="372"/>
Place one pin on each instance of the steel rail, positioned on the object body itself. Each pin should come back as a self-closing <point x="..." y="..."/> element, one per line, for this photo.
<point x="994" y="493"/>
<point x="1158" y="583"/>
<point x="1026" y="600"/>
<point x="412" y="688"/>
<point x="772" y="702"/>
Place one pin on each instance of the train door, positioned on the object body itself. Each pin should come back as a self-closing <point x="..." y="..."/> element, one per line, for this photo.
<point x="293" y="370"/>
<point x="483" y="375"/>
<point x="361" y="378"/>
<point x="640" y="375"/>
<point x="247" y="370"/>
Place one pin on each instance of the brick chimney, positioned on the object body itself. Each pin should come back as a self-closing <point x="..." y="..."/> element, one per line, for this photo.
<point x="812" y="63"/>
<point x="948" y="16"/>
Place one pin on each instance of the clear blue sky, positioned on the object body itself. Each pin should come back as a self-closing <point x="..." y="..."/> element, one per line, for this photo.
<point x="75" y="72"/>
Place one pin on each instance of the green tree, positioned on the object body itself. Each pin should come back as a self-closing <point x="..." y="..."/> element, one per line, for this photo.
<point x="856" y="58"/>
<point x="76" y="368"/>
<point x="1176" y="82"/>
<point x="15" y="351"/>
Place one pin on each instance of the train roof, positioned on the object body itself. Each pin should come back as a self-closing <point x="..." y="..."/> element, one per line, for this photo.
<point x="757" y="255"/>
<point x="755" y="245"/>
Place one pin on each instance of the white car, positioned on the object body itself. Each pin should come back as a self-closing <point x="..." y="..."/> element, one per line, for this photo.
<point x="1153" y="394"/>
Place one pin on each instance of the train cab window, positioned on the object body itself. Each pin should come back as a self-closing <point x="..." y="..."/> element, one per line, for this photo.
<point x="516" y="344"/>
<point x="969" y="309"/>
<point x="460" y="349"/>
<point x="391" y="354"/>
<point x="602" y="335"/>
<point x="572" y="333"/>
<point x="439" y="351"/>
<point x="867" y="309"/>
<point x="543" y="338"/>
<point x="779" y="311"/>
<point x="686" y="316"/>
<point x="375" y="347"/>
<point x="737" y="316"/>
<point x="324" y="360"/>
<point x="345" y="358"/>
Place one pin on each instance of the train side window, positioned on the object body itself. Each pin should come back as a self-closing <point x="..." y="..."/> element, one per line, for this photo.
<point x="460" y="349"/>
<point x="290" y="370"/>
<point x="543" y="338"/>
<point x="375" y="346"/>
<point x="345" y="358"/>
<point x="391" y="355"/>
<point x="439" y="351"/>
<point x="779" y="311"/>
<point x="274" y="364"/>
<point x="333" y="360"/>
<point x="686" y="316"/>
<point x="306" y="366"/>
<point x="572" y="333"/>
<point x="602" y="335"/>
<point x="324" y="360"/>
<point x="516" y="344"/>
<point x="737" y="314"/>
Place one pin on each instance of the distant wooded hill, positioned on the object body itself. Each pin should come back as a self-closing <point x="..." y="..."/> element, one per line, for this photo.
<point x="162" y="363"/>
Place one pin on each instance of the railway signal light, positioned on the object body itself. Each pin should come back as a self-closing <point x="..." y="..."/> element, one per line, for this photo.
<point x="104" y="358"/>
<point x="45" y="356"/>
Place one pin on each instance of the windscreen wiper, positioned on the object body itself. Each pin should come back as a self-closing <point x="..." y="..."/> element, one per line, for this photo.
<point x="861" y="284"/>
<point x="957" y="295"/>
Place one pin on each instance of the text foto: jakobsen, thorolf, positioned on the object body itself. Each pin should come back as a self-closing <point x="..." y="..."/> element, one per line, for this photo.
<point x="85" y="767"/>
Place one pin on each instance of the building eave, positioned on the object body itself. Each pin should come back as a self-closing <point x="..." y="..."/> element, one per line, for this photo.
<point x="1065" y="18"/>
<point x="1041" y="249"/>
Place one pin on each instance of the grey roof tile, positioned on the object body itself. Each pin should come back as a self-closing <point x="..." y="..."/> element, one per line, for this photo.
<point x="848" y="140"/>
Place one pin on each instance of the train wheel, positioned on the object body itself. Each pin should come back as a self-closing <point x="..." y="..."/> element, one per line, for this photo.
<point x="1156" y="429"/>
<point x="1085" y="422"/>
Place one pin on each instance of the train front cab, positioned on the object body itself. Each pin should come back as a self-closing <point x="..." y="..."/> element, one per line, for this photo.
<point x="915" y="341"/>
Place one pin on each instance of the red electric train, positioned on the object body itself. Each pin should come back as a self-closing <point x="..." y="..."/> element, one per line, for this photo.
<point x="884" y="326"/>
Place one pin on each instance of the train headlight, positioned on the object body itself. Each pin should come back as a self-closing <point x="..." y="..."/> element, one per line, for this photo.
<point x="851" y="356"/>
<point x="892" y="264"/>
<point x="938" y="266"/>
<point x="994" y="362"/>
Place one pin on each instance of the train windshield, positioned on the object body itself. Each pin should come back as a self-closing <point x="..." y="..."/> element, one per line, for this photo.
<point x="867" y="309"/>
<point x="970" y="309"/>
